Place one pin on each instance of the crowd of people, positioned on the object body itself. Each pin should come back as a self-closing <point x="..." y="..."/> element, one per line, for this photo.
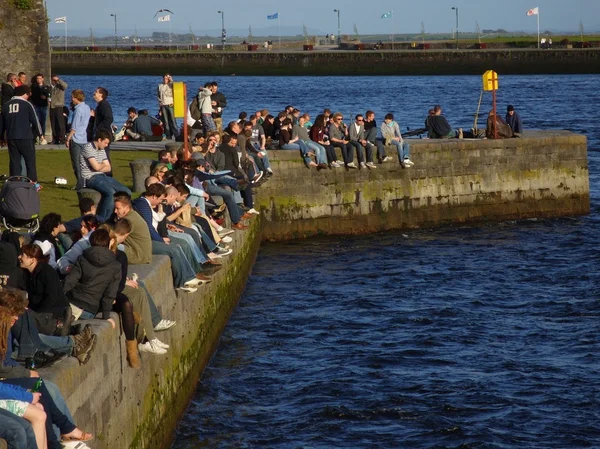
<point x="70" y="272"/>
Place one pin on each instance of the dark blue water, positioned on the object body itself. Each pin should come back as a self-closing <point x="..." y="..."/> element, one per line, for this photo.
<point x="469" y="337"/>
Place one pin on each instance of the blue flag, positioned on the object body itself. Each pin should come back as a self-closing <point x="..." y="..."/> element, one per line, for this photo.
<point x="386" y="15"/>
<point x="273" y="16"/>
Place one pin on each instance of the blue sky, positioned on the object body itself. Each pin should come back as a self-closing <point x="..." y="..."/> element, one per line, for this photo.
<point x="563" y="15"/>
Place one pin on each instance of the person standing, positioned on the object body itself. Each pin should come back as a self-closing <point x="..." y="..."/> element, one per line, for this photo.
<point x="57" y="103"/>
<point x="8" y="88"/>
<point x="77" y="137"/>
<point x="21" y="125"/>
<point x="218" y="102"/>
<point x="513" y="119"/>
<point x="40" y="97"/>
<point x="103" y="118"/>
<point x="165" y="102"/>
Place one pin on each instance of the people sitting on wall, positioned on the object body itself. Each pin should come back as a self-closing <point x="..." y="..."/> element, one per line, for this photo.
<point x="13" y="303"/>
<point x="513" y="119"/>
<point x="371" y="136"/>
<point x="497" y="128"/>
<point x="438" y="127"/>
<point x="319" y="134"/>
<point x="140" y="126"/>
<point x="390" y="132"/>
<point x="184" y="276"/>
<point x="356" y="135"/>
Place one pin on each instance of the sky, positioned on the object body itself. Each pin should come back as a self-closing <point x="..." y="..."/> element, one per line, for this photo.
<point x="436" y="15"/>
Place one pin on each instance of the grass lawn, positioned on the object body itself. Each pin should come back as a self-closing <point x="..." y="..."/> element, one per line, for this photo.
<point x="60" y="198"/>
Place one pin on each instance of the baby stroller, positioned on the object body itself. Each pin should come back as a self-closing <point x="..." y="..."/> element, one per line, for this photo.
<point x="20" y="205"/>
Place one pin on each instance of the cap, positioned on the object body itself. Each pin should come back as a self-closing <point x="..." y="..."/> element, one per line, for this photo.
<point x="509" y="108"/>
<point x="45" y="246"/>
<point x="21" y="90"/>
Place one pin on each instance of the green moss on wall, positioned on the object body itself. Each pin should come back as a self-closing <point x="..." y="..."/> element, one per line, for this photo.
<point x="23" y="4"/>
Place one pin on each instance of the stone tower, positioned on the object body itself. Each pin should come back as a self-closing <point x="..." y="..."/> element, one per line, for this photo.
<point x="24" y="40"/>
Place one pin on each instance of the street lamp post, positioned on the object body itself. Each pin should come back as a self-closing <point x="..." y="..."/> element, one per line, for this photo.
<point x="339" y="39"/>
<point x="115" y="16"/>
<point x="456" y="9"/>
<point x="223" y="33"/>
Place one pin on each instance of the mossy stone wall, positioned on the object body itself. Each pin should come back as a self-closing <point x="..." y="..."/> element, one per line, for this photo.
<point x="544" y="174"/>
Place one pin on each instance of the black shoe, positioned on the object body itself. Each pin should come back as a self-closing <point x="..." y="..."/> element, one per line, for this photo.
<point x="50" y="357"/>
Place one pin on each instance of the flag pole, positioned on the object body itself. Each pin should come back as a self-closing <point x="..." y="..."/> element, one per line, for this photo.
<point x="279" y="30"/>
<point x="66" y="45"/>
<point x="538" y="23"/>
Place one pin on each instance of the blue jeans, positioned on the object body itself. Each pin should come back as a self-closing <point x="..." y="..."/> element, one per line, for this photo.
<point x="180" y="267"/>
<point x="74" y="151"/>
<point x="107" y="187"/>
<point x="403" y="149"/>
<point x="16" y="431"/>
<point x="42" y="113"/>
<point x="189" y="248"/>
<point x="319" y="150"/>
<point x="62" y="344"/>
<point x="298" y="145"/>
<point x="232" y="207"/>
<point x="208" y="124"/>
<point x="169" y="121"/>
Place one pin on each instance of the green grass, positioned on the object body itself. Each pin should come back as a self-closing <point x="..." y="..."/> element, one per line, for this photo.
<point x="60" y="198"/>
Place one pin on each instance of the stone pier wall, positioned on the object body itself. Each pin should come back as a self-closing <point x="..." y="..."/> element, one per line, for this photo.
<point x="453" y="181"/>
<point x="540" y="175"/>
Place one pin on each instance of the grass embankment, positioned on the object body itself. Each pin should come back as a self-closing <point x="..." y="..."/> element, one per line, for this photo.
<point x="60" y="198"/>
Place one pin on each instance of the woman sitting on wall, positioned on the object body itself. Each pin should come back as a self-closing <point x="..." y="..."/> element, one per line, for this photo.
<point x="12" y="304"/>
<point x="46" y="297"/>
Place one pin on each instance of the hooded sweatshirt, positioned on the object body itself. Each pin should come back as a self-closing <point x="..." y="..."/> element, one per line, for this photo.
<point x="94" y="280"/>
<point x="10" y="273"/>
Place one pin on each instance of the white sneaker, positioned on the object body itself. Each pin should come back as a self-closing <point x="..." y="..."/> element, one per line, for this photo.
<point x="337" y="164"/>
<point x="371" y="165"/>
<point x="160" y="344"/>
<point x="221" y="253"/>
<point x="226" y="239"/>
<point x="43" y="141"/>
<point x="270" y="170"/>
<point x="408" y="162"/>
<point x="223" y="232"/>
<point x="220" y="229"/>
<point x="150" y="347"/>
<point x="192" y="282"/>
<point x="363" y="165"/>
<point x="188" y="289"/>
<point x="387" y="159"/>
<point x="253" y="211"/>
<point x="163" y="325"/>
<point x="351" y="165"/>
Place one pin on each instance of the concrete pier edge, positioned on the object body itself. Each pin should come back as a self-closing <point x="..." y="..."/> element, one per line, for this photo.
<point x="544" y="174"/>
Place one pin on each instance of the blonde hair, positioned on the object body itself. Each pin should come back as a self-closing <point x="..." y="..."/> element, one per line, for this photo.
<point x="113" y="237"/>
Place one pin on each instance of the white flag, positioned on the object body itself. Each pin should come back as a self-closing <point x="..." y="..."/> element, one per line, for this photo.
<point x="533" y="12"/>
<point x="166" y="18"/>
<point x="61" y="19"/>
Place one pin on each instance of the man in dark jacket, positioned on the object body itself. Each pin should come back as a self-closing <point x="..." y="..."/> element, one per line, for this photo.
<point x="513" y="119"/>
<point x="218" y="102"/>
<point x="439" y="128"/>
<point x="93" y="281"/>
<point x="103" y="118"/>
<point x="20" y="123"/>
<point x="40" y="98"/>
<point x="8" y="88"/>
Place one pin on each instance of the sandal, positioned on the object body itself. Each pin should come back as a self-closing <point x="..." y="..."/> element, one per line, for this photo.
<point x="85" y="436"/>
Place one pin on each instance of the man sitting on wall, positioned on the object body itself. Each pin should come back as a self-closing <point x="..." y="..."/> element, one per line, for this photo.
<point x="141" y="126"/>
<point x="184" y="276"/>
<point x="439" y="128"/>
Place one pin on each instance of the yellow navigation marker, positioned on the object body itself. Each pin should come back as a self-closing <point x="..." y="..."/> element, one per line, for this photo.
<point x="179" y="99"/>
<point x="490" y="81"/>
